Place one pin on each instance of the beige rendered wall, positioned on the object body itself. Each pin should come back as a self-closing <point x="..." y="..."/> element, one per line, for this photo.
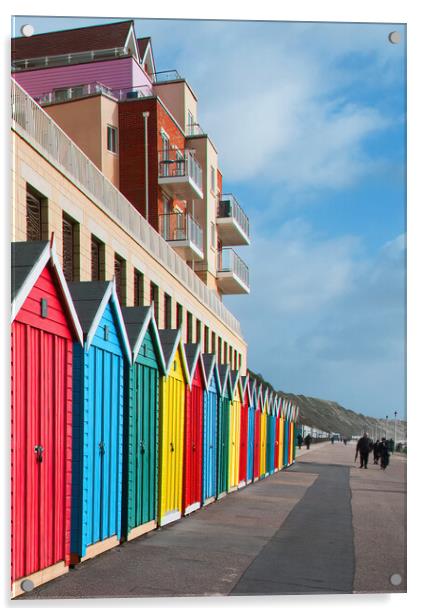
<point x="205" y="209"/>
<point x="81" y="120"/>
<point x="85" y="121"/>
<point x="179" y="99"/>
<point x="63" y="196"/>
<point x="110" y="160"/>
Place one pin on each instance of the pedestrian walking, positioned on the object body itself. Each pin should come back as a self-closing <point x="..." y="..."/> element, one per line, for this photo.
<point x="376" y="451"/>
<point x="345" y="441"/>
<point x="384" y="453"/>
<point x="332" y="440"/>
<point x="363" y="448"/>
<point x="308" y="440"/>
<point x="299" y="440"/>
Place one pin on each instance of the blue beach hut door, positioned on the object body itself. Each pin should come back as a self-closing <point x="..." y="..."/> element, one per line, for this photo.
<point x="104" y="443"/>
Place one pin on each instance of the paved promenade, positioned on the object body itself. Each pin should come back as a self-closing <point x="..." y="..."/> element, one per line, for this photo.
<point x="322" y="526"/>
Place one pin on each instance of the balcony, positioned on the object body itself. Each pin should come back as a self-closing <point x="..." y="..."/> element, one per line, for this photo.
<point x="69" y="58"/>
<point x="183" y="233"/>
<point x="164" y="76"/>
<point x="181" y="174"/>
<point x="61" y="95"/>
<point x="232" y="223"/>
<point x="232" y="273"/>
<point x="195" y="130"/>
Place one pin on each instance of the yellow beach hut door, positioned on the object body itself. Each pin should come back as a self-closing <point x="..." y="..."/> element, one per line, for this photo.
<point x="172" y="410"/>
<point x="234" y="449"/>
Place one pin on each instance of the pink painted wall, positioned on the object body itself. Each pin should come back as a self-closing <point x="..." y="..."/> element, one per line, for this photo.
<point x="119" y="73"/>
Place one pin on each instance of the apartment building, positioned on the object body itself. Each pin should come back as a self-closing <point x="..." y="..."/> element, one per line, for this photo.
<point x="109" y="155"/>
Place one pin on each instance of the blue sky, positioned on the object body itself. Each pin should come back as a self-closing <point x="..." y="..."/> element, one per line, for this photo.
<point x="309" y="122"/>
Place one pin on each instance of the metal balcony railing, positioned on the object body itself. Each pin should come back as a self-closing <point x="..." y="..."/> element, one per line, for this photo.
<point x="72" y="92"/>
<point x="37" y="128"/>
<point x="195" y="129"/>
<point x="228" y="207"/>
<point x="229" y="261"/>
<point x="173" y="163"/>
<point x="61" y="95"/>
<point x="68" y="58"/>
<point x="128" y="94"/>
<point x="180" y="226"/>
<point x="162" y="76"/>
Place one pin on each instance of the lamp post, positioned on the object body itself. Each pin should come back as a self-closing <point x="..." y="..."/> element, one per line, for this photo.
<point x="387" y="419"/>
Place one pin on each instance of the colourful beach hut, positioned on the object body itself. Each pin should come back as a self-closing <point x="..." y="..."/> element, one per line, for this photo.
<point x="244" y="429"/>
<point x="223" y="430"/>
<point x="193" y="432"/>
<point x="263" y="400"/>
<point x="211" y="397"/>
<point x="172" y="388"/>
<point x="255" y="389"/>
<point x="141" y="422"/>
<point x="44" y="329"/>
<point x="98" y="413"/>
<point x="286" y="447"/>
<point x="250" y="429"/>
<point x="280" y="424"/>
<point x="234" y="435"/>
<point x="276" y="414"/>
<point x="270" y="441"/>
<point x="257" y="401"/>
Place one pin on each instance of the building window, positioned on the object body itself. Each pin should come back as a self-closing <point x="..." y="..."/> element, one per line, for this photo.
<point x="97" y="259"/>
<point x="168" y="311"/>
<point x="224" y="359"/>
<point x="154" y="297"/>
<point x="213" y="343"/>
<point x="230" y="352"/>
<point x="219" y="352"/>
<point x="235" y="360"/>
<point x="198" y="331"/>
<point x="70" y="246"/>
<point x="36" y="216"/>
<point x="179" y="315"/>
<point x="213" y="235"/>
<point x="112" y="139"/>
<point x="189" y="327"/>
<point x="212" y="179"/>
<point x="190" y="122"/>
<point x="138" y="288"/>
<point x="121" y="279"/>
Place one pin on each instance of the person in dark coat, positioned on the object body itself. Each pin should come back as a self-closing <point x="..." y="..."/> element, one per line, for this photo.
<point x="308" y="440"/>
<point x="363" y="448"/>
<point x="299" y="440"/>
<point x="376" y="451"/>
<point x="384" y="453"/>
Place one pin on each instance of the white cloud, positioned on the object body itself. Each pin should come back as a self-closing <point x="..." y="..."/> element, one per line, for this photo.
<point x="325" y="319"/>
<point x="272" y="98"/>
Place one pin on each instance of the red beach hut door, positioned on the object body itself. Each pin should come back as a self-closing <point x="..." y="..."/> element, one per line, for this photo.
<point x="243" y="442"/>
<point x="193" y="445"/>
<point x="41" y="435"/>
